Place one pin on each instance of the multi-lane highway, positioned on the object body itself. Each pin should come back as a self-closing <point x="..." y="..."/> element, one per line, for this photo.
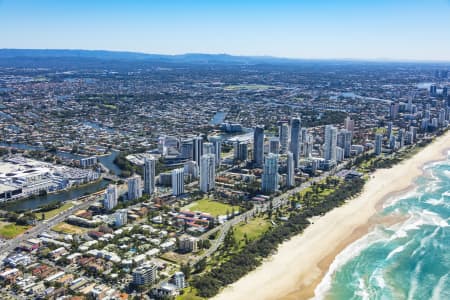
<point x="278" y="201"/>
<point x="85" y="201"/>
<point x="81" y="203"/>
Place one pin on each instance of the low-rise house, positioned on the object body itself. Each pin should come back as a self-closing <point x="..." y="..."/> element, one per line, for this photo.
<point x="95" y="234"/>
<point x="73" y="258"/>
<point x="65" y="279"/>
<point x="55" y="242"/>
<point x="17" y="260"/>
<point x="10" y="275"/>
<point x="78" y="283"/>
<point x="166" y="290"/>
<point x="36" y="289"/>
<point x="152" y="252"/>
<point x="30" y="244"/>
<point x="42" y="271"/>
<point x="58" y="253"/>
<point x="54" y="277"/>
<point x="168" y="246"/>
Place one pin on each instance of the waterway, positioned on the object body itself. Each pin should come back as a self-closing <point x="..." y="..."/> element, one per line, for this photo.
<point x="424" y="85"/>
<point x="108" y="161"/>
<point x="245" y="136"/>
<point x="218" y="118"/>
<point x="33" y="203"/>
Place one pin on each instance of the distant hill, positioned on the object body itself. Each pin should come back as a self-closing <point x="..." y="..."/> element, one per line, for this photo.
<point x="191" y="58"/>
<point x="123" y="60"/>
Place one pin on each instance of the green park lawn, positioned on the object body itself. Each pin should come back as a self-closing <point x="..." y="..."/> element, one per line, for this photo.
<point x="190" y="293"/>
<point x="380" y="130"/>
<point x="51" y="213"/>
<point x="211" y="207"/>
<point x="9" y="231"/>
<point x="254" y="228"/>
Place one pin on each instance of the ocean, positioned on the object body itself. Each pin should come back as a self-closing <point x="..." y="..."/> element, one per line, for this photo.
<point x="408" y="260"/>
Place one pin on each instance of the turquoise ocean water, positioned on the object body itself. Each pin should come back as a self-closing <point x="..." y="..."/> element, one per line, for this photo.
<point x="408" y="260"/>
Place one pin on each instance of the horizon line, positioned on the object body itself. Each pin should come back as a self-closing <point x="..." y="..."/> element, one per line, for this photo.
<point x="268" y="56"/>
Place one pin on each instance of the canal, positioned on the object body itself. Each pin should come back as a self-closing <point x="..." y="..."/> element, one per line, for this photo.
<point x="35" y="202"/>
<point x="218" y="118"/>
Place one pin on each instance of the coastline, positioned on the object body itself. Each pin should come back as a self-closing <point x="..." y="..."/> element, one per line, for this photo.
<point x="276" y="278"/>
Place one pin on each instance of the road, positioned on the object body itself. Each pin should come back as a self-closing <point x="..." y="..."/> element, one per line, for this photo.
<point x="46" y="225"/>
<point x="278" y="201"/>
<point x="223" y="229"/>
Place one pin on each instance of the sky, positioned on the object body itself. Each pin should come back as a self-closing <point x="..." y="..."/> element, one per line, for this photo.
<point x="318" y="29"/>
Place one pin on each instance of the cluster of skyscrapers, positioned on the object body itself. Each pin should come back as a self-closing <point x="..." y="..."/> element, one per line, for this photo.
<point x="284" y="152"/>
<point x="204" y="157"/>
<point x="295" y="142"/>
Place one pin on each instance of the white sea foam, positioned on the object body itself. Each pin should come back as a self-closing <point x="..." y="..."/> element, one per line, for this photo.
<point x="399" y="249"/>
<point x="433" y="186"/>
<point x="426" y="240"/>
<point x="439" y="202"/>
<point x="346" y="255"/>
<point x="418" y="217"/>
<point x="393" y="200"/>
<point x="415" y="221"/>
<point x="437" y="290"/>
<point x="414" y="276"/>
<point x="437" y="163"/>
<point x="447" y="173"/>
<point x="378" y="279"/>
<point x="435" y="202"/>
<point x="362" y="290"/>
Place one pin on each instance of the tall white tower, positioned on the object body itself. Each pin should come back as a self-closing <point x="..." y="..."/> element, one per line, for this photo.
<point x="270" y="175"/>
<point x="178" y="182"/>
<point x="207" y="172"/>
<point x="330" y="142"/>
<point x="290" y="179"/>
<point x="149" y="175"/>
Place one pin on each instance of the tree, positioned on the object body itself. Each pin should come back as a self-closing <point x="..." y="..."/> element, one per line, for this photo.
<point x="229" y="240"/>
<point x="200" y="266"/>
<point x="186" y="269"/>
<point x="206" y="244"/>
<point x="246" y="239"/>
<point x="270" y="209"/>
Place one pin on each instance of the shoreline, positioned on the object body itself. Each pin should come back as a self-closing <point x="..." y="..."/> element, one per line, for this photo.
<point x="277" y="279"/>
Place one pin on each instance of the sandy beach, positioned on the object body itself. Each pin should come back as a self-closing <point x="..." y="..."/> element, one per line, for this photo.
<point x="300" y="263"/>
